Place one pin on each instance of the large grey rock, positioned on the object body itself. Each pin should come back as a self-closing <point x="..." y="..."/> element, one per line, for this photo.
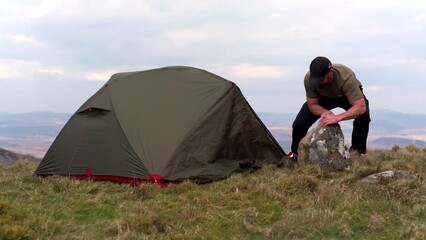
<point x="390" y="175"/>
<point x="325" y="146"/>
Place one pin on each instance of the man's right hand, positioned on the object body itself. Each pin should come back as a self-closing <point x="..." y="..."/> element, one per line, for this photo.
<point x="329" y="118"/>
<point x="324" y="114"/>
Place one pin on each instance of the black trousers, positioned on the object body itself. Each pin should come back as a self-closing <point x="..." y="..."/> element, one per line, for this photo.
<point x="305" y="119"/>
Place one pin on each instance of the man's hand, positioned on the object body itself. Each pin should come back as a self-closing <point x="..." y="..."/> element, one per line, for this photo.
<point x="329" y="118"/>
<point x="358" y="108"/>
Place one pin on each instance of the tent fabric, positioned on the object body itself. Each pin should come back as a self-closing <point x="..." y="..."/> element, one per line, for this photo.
<point x="174" y="123"/>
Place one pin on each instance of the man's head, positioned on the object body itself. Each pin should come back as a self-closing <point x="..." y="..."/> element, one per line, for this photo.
<point x="319" y="68"/>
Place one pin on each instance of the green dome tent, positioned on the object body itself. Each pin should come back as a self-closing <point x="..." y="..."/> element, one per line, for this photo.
<point x="163" y="125"/>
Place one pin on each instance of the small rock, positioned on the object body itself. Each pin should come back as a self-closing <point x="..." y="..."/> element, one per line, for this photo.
<point x="389" y="175"/>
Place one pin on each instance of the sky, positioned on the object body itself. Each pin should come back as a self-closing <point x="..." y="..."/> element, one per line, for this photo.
<point x="55" y="54"/>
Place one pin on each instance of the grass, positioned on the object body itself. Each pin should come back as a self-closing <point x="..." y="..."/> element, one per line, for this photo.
<point x="272" y="203"/>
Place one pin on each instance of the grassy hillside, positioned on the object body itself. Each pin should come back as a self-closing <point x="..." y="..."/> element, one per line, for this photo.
<point x="272" y="203"/>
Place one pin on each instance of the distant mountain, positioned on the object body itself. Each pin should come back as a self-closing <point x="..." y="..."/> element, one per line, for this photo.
<point x="391" y="121"/>
<point x="277" y="118"/>
<point x="30" y="133"/>
<point x="397" y="141"/>
<point x="33" y="133"/>
<point x="45" y="123"/>
<point x="382" y="120"/>
<point x="387" y="128"/>
<point x="8" y="158"/>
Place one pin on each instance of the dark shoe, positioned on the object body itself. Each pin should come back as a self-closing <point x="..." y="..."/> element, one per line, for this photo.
<point x="292" y="156"/>
<point x="356" y="151"/>
<point x="290" y="161"/>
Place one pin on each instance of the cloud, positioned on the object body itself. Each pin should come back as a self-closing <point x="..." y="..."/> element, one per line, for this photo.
<point x="375" y="88"/>
<point x="420" y="17"/>
<point x="186" y="37"/>
<point x="246" y="70"/>
<point x="17" y="69"/>
<point x="54" y="70"/>
<point x="99" y="76"/>
<point x="22" y="38"/>
<point x="251" y="42"/>
<point x="7" y="72"/>
<point x="28" y="70"/>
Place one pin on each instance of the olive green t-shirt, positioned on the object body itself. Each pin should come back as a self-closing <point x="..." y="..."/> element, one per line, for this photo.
<point x="344" y="84"/>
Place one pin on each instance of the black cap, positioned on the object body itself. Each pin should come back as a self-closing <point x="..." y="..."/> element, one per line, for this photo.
<point x="319" y="68"/>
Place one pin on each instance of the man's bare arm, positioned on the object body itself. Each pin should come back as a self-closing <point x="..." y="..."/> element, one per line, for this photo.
<point x="358" y="107"/>
<point x="315" y="108"/>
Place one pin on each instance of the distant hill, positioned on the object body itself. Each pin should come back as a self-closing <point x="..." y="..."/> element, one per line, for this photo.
<point x="30" y="133"/>
<point x="8" y="158"/>
<point x="397" y="141"/>
<point x="387" y="128"/>
<point x="34" y="123"/>
<point x="277" y="118"/>
<point x="382" y="120"/>
<point x="33" y="133"/>
<point x="391" y="121"/>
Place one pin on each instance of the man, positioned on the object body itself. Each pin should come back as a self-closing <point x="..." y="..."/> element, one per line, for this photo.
<point x="330" y="86"/>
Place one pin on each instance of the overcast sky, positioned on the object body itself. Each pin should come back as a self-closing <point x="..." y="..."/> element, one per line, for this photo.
<point x="55" y="54"/>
